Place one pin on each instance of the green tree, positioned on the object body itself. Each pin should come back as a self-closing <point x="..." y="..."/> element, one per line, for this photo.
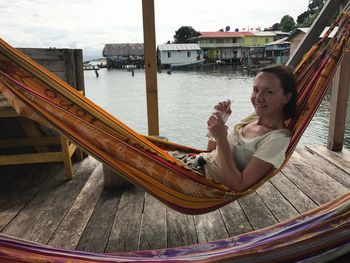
<point x="184" y="33"/>
<point x="287" y="23"/>
<point x="307" y="18"/>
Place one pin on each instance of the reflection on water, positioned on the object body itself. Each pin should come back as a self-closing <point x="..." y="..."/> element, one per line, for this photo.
<point x="186" y="99"/>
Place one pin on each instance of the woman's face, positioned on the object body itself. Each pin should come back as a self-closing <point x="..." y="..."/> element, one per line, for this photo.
<point x="267" y="97"/>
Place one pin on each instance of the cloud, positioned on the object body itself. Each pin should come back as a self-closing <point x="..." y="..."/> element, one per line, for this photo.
<point x="91" y="24"/>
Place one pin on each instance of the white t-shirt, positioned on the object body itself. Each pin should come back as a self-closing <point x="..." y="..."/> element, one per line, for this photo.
<point x="269" y="147"/>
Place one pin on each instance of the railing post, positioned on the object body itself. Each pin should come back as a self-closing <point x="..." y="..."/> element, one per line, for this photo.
<point x="340" y="94"/>
<point x="149" y="37"/>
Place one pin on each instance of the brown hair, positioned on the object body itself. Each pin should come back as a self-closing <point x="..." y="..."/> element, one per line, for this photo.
<point x="288" y="82"/>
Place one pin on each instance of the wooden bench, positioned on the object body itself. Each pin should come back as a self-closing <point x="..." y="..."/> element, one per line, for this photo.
<point x="38" y="140"/>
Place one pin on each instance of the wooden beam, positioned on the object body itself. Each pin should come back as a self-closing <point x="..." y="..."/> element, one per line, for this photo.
<point x="323" y="19"/>
<point x="340" y="93"/>
<point x="149" y="37"/>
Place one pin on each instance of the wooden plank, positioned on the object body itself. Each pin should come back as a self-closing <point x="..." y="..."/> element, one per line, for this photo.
<point x="153" y="234"/>
<point x="317" y="173"/>
<point x="150" y="58"/>
<point x="15" y="195"/>
<point x="292" y="193"/>
<point x="257" y="212"/>
<point x="72" y="226"/>
<point x="96" y="234"/>
<point x="79" y="72"/>
<point x="331" y="169"/>
<point x="210" y="227"/>
<point x="70" y="67"/>
<point x="339" y="159"/>
<point x="66" y="156"/>
<point x="309" y="178"/>
<point x="276" y="202"/>
<point x="339" y="102"/>
<point x="40" y="218"/>
<point x="31" y="158"/>
<point x="235" y="220"/>
<point x="125" y="232"/>
<point x="181" y="229"/>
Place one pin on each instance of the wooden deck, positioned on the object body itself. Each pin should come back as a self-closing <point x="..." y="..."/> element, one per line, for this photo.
<point x="38" y="203"/>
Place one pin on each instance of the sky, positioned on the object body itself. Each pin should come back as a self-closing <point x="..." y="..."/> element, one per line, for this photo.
<point x="90" y="24"/>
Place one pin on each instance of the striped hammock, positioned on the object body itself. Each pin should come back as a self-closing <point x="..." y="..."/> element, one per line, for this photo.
<point x="38" y="94"/>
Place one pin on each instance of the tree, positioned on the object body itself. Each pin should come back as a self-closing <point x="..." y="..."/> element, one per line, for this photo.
<point x="287" y="23"/>
<point x="184" y="33"/>
<point x="276" y="27"/>
<point x="307" y="18"/>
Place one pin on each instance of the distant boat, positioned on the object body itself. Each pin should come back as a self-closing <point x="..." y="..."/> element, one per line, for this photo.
<point x="187" y="64"/>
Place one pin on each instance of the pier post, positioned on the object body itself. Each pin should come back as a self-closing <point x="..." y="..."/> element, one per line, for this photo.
<point x="340" y="94"/>
<point x="149" y="37"/>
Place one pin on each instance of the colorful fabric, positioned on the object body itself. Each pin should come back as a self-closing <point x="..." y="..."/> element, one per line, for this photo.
<point x="321" y="233"/>
<point x="37" y="93"/>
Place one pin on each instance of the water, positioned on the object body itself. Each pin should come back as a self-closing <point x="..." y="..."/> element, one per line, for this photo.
<point x="186" y="100"/>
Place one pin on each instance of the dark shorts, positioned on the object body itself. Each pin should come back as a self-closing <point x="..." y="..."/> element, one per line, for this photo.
<point x="193" y="161"/>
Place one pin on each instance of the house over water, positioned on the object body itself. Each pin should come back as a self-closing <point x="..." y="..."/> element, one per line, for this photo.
<point x="124" y="55"/>
<point x="231" y="47"/>
<point x="179" y="55"/>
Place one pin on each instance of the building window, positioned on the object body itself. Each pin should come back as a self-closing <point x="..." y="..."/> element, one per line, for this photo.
<point x="169" y="54"/>
<point x="188" y="54"/>
<point x="266" y="40"/>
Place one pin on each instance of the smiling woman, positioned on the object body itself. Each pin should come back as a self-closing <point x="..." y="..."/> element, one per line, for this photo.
<point x="243" y="156"/>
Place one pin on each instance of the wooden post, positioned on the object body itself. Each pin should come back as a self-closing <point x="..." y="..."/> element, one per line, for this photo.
<point x="340" y="93"/>
<point x="78" y="61"/>
<point x="149" y="37"/>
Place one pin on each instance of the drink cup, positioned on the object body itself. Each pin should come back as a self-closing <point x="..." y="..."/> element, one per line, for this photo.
<point x="224" y="115"/>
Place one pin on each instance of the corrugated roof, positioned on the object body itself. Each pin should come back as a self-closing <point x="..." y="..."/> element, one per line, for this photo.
<point x="279" y="41"/>
<point x="306" y="29"/>
<point x="225" y="34"/>
<point x="124" y="49"/>
<point x="265" y="34"/>
<point x="165" y="47"/>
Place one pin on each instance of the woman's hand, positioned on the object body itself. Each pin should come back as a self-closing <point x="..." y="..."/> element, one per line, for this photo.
<point x="225" y="108"/>
<point x="216" y="126"/>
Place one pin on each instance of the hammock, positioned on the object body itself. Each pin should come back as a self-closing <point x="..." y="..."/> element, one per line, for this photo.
<point x="38" y="94"/>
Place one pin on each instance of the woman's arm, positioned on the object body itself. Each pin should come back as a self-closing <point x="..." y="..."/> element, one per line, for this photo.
<point x="236" y="180"/>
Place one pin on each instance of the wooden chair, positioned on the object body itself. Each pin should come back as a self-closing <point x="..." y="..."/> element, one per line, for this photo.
<point x="36" y="139"/>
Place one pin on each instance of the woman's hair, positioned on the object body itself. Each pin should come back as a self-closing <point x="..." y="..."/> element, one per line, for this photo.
<point x="288" y="82"/>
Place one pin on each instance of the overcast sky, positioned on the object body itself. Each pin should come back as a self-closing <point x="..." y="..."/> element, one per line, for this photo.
<point x="89" y="24"/>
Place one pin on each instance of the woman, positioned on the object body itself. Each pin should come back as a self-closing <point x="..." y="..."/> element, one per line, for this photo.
<point x="243" y="156"/>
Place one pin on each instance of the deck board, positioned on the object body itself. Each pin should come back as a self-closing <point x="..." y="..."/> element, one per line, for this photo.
<point x="45" y="211"/>
<point x="125" y="231"/>
<point x="41" y="205"/>
<point x="181" y="230"/>
<point x="96" y="234"/>
<point x="68" y="233"/>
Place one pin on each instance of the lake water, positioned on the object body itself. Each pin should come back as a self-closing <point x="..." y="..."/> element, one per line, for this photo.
<point x="186" y="100"/>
